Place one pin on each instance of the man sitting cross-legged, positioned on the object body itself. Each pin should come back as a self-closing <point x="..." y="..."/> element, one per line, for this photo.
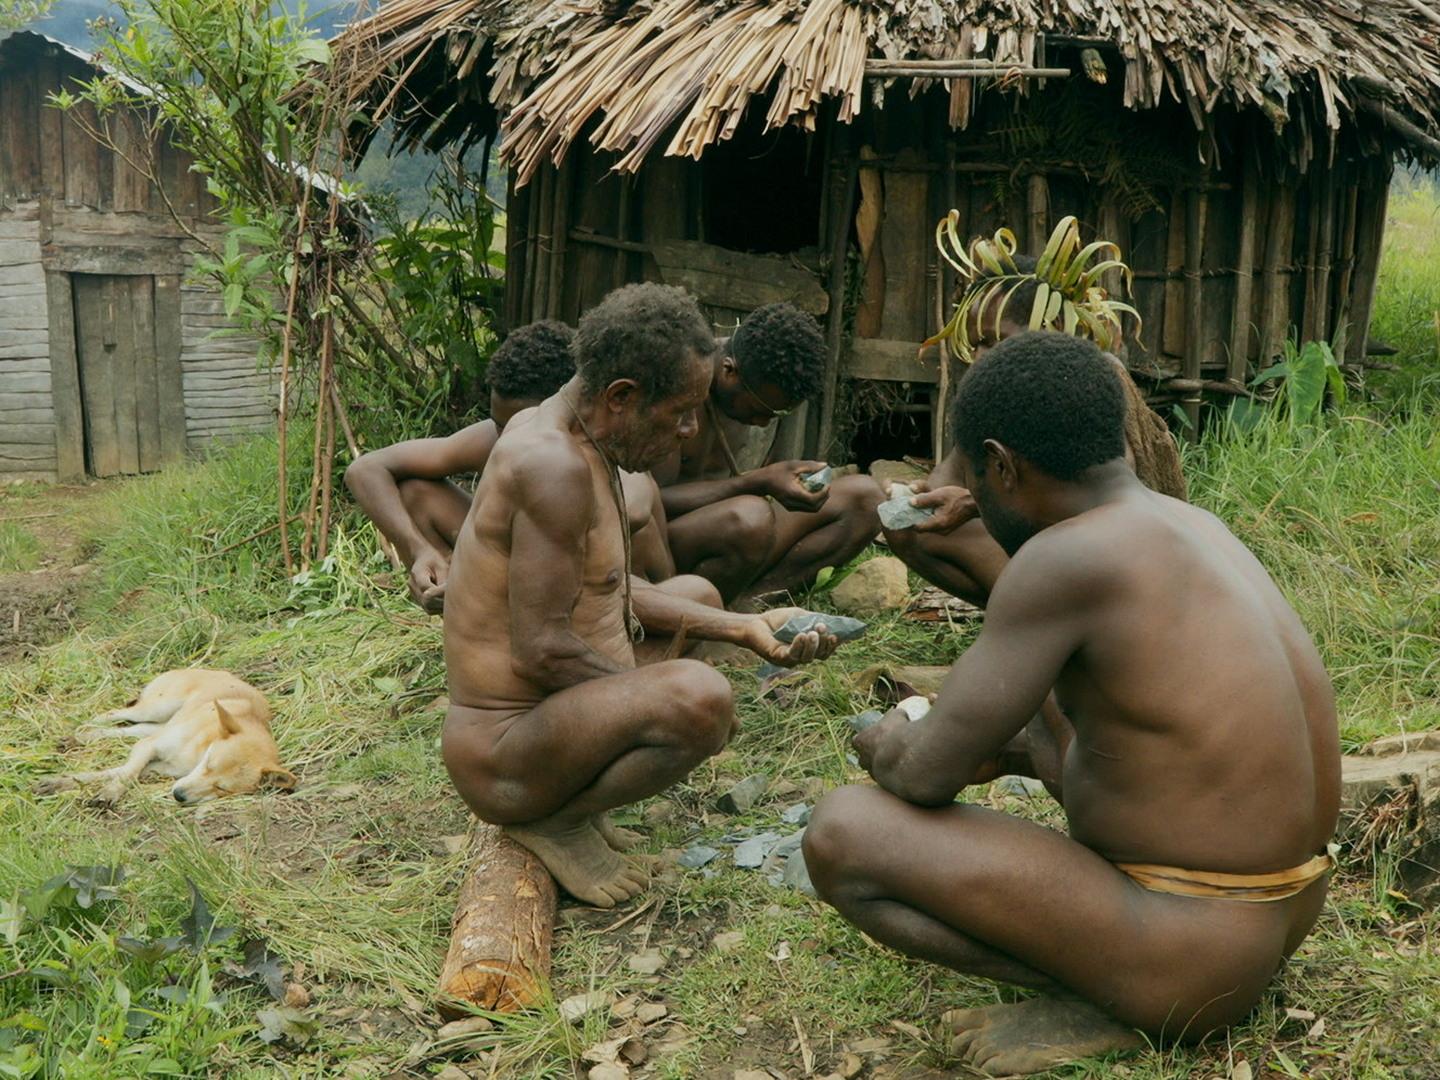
<point x="952" y="549"/>
<point x="1200" y="778"/>
<point x="550" y="723"/>
<point x="407" y="491"/>
<point x="752" y="531"/>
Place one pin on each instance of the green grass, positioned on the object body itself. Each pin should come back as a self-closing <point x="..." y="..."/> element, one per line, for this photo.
<point x="19" y="550"/>
<point x="1407" y="301"/>
<point x="352" y="879"/>
<point x="350" y="882"/>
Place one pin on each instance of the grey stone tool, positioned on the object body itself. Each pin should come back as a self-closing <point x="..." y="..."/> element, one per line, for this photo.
<point x="896" y="511"/>
<point x="818" y="480"/>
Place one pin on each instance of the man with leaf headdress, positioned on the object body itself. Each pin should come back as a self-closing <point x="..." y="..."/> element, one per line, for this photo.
<point x="1003" y="294"/>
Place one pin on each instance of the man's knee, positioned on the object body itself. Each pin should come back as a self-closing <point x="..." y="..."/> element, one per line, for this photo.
<point x="857" y="494"/>
<point x="703" y="706"/>
<point x="837" y="832"/>
<point x="416" y="493"/>
<point x="694" y="588"/>
<point x="904" y="543"/>
<point x="748" y="526"/>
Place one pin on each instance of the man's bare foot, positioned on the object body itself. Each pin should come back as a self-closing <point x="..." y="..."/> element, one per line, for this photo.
<point x="618" y="838"/>
<point x="581" y="861"/>
<point x="1035" y="1035"/>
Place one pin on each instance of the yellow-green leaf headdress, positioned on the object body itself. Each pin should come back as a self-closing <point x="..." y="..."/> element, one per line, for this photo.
<point x="1069" y="295"/>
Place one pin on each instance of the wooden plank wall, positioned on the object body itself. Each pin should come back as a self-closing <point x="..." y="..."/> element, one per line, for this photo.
<point x="226" y="394"/>
<point x="27" y="413"/>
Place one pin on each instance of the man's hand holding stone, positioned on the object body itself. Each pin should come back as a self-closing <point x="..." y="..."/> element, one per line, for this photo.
<point x="812" y="645"/>
<point x="781" y="481"/>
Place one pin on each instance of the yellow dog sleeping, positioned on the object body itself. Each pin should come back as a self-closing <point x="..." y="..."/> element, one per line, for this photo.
<point x="208" y="729"/>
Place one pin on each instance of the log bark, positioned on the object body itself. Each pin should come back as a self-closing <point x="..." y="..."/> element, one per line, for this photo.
<point x="499" y="955"/>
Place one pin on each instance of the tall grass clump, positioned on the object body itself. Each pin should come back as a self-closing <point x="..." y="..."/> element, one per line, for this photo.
<point x="1407" y="299"/>
<point x="1346" y="517"/>
<point x="19" y="550"/>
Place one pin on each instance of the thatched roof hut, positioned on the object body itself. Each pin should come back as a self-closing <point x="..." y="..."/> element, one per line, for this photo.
<point x="1239" y="151"/>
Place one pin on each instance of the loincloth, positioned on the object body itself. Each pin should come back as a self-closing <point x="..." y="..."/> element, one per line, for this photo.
<point x="1252" y="888"/>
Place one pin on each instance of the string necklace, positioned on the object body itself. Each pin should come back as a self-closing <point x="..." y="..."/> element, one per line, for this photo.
<point x="617" y="495"/>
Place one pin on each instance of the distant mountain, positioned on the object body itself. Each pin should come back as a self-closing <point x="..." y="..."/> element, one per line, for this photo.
<point x="67" y="19"/>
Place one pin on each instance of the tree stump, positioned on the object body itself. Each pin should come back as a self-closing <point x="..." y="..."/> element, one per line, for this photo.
<point x="500" y="936"/>
<point x="1390" y="800"/>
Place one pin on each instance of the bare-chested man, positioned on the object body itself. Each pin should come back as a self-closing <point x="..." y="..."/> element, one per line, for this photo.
<point x="407" y="489"/>
<point x="756" y="530"/>
<point x="551" y="724"/>
<point x="1200" y="778"/>
<point x="953" y="549"/>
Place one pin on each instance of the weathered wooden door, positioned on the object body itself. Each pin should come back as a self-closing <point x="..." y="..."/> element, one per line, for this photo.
<point x="130" y="396"/>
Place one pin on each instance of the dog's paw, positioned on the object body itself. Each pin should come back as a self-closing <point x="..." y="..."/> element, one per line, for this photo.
<point x="87" y="735"/>
<point x="107" y="796"/>
<point x="54" y="785"/>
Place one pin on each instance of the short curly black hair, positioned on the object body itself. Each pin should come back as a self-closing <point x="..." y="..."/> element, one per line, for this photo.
<point x="781" y="345"/>
<point x="533" y="362"/>
<point x="641" y="332"/>
<point x="1051" y="398"/>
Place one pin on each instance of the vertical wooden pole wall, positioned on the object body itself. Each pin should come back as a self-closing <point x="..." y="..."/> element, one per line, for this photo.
<point x="1274" y="302"/>
<point x="1370" y="235"/>
<point x="1244" y="271"/>
<point x="559" y="230"/>
<point x="1195" y="206"/>
<point x="1345" y="264"/>
<point x="844" y="176"/>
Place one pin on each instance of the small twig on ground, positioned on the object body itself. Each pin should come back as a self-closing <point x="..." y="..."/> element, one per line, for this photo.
<point x="245" y="540"/>
<point x="630" y="917"/>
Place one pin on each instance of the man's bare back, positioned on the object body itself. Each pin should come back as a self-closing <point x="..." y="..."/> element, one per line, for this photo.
<point x="1196" y="757"/>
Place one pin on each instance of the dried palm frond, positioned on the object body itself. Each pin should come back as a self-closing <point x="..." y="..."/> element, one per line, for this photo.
<point x="1069" y="295"/>
<point x="675" y="76"/>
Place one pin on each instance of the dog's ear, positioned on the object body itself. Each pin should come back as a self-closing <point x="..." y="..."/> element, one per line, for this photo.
<point x="228" y="723"/>
<point x="274" y="778"/>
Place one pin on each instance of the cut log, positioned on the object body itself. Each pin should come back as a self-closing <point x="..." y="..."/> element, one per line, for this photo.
<point x="500" y="937"/>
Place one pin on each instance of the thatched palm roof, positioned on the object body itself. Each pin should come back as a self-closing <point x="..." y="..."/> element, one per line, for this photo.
<point x="678" y="74"/>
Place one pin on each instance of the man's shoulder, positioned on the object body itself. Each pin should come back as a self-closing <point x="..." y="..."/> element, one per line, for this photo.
<point x="1082" y="551"/>
<point x="540" y="454"/>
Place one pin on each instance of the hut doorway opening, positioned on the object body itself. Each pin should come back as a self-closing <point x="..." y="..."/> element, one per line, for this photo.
<point x="899" y="427"/>
<point x="128" y="397"/>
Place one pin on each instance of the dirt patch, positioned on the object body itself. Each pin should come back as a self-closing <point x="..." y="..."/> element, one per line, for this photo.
<point x="38" y="606"/>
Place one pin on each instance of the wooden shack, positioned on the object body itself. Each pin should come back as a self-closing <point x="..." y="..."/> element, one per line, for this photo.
<point x="107" y="364"/>
<point x="1239" y="151"/>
